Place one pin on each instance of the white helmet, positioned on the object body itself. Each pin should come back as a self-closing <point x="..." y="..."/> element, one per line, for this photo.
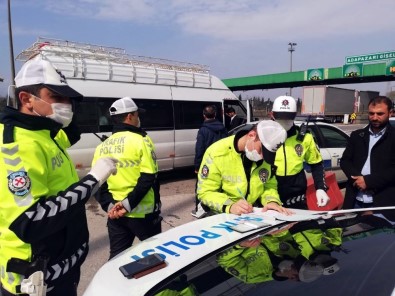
<point x="328" y="262"/>
<point x="284" y="107"/>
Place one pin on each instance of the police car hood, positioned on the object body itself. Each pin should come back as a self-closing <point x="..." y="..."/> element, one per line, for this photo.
<point x="181" y="246"/>
<point x="192" y="243"/>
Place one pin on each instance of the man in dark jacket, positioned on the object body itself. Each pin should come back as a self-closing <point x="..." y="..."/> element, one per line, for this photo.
<point x="211" y="131"/>
<point x="369" y="161"/>
<point x="234" y="120"/>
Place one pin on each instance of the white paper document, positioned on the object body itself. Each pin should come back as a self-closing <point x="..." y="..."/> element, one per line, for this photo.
<point x="249" y="225"/>
<point x="305" y="215"/>
<point x="298" y="215"/>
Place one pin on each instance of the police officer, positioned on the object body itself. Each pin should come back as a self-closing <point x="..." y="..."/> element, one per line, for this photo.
<point x="315" y="241"/>
<point x="299" y="253"/>
<point x="235" y="172"/>
<point x="43" y="224"/>
<point x="131" y="198"/>
<point x="297" y="149"/>
<point x="249" y="261"/>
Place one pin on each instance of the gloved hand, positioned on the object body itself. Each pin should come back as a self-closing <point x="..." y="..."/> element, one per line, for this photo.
<point x="322" y="198"/>
<point x="103" y="168"/>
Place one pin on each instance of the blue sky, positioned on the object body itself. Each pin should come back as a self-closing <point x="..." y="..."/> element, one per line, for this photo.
<point x="233" y="37"/>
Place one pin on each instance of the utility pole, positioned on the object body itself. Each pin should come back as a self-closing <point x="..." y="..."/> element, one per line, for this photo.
<point x="13" y="103"/>
<point x="291" y="49"/>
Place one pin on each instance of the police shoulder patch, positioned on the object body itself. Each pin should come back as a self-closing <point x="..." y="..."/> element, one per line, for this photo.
<point x="205" y="171"/>
<point x="19" y="183"/>
<point x="299" y="149"/>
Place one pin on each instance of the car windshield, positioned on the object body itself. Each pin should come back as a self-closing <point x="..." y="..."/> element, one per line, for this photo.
<point x="349" y="254"/>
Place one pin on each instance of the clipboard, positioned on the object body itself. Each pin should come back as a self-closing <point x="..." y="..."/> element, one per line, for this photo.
<point x="245" y="226"/>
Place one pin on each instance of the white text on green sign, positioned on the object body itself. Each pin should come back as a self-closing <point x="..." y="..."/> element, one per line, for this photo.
<point x="371" y="57"/>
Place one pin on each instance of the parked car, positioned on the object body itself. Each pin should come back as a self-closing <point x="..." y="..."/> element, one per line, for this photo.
<point x="308" y="253"/>
<point x="392" y="121"/>
<point x="330" y="139"/>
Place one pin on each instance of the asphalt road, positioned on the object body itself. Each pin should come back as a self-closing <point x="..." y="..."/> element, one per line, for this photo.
<point x="178" y="199"/>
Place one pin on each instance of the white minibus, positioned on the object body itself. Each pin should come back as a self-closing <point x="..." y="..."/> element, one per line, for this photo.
<point x="173" y="94"/>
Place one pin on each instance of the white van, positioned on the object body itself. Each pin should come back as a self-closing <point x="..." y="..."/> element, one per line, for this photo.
<point x="173" y="93"/>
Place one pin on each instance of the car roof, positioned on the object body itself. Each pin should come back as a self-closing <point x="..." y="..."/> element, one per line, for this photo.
<point x="193" y="244"/>
<point x="181" y="246"/>
<point x="249" y="125"/>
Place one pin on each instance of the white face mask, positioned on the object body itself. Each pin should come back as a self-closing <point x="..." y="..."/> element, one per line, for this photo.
<point x="138" y="122"/>
<point x="285" y="265"/>
<point x="252" y="155"/>
<point x="286" y="123"/>
<point x="61" y="113"/>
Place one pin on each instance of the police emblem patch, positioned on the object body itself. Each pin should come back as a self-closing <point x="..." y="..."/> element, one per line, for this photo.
<point x="205" y="171"/>
<point x="263" y="175"/>
<point x="19" y="183"/>
<point x="285" y="103"/>
<point x="299" y="149"/>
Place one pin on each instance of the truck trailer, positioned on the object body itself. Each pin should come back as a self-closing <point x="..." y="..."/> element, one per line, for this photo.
<point x="332" y="103"/>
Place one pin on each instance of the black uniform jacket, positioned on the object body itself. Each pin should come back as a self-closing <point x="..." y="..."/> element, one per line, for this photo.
<point x="381" y="180"/>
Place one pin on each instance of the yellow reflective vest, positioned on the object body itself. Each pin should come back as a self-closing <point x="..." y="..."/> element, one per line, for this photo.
<point x="289" y="161"/>
<point x="135" y="152"/>
<point x="291" y="155"/>
<point x="313" y="240"/>
<point x="42" y="208"/>
<point x="250" y="265"/>
<point x="222" y="180"/>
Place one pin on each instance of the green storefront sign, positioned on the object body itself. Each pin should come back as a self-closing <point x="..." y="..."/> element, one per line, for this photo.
<point x="355" y="70"/>
<point x="373" y="57"/>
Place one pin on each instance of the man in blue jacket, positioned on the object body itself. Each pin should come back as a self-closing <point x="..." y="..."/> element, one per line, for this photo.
<point x="211" y="131"/>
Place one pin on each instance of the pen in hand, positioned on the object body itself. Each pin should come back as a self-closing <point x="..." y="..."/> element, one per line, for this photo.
<point x="241" y="193"/>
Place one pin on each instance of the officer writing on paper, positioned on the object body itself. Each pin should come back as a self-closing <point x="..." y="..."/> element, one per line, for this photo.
<point x="131" y="198"/>
<point x="44" y="233"/>
<point x="236" y="174"/>
<point x="299" y="147"/>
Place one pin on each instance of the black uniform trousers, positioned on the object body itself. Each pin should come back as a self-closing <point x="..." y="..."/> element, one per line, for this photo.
<point x="123" y="231"/>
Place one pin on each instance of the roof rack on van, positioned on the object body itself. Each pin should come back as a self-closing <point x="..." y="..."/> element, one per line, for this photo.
<point x="98" y="52"/>
<point x="83" y="61"/>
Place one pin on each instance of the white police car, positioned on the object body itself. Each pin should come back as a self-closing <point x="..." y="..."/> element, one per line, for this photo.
<point x="313" y="253"/>
<point x="330" y="139"/>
